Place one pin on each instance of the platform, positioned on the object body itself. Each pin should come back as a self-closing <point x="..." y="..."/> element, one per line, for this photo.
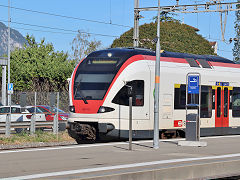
<point x="220" y="158"/>
<point x="192" y="143"/>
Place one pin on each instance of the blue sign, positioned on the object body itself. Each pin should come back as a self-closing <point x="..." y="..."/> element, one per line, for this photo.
<point x="10" y="88"/>
<point x="222" y="83"/>
<point x="193" y="84"/>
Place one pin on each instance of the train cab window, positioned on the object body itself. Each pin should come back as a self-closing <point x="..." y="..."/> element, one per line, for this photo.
<point x="236" y="102"/>
<point x="138" y="94"/>
<point x="206" y="102"/>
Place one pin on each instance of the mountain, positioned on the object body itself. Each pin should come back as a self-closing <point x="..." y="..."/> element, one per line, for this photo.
<point x="17" y="40"/>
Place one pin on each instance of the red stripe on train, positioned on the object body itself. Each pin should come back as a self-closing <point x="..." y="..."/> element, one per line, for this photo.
<point x="93" y="105"/>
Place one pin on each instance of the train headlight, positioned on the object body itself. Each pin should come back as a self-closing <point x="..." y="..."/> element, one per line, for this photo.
<point x="72" y="109"/>
<point x="63" y="118"/>
<point x="104" y="109"/>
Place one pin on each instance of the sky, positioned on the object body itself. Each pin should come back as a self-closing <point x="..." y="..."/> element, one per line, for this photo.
<point x="105" y="20"/>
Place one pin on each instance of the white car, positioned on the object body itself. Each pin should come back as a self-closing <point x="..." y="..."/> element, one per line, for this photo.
<point x="21" y="114"/>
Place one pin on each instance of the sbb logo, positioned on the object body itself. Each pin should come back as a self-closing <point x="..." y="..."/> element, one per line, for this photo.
<point x="178" y="123"/>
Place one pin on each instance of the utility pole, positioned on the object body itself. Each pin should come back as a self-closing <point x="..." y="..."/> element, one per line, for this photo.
<point x="9" y="20"/>
<point x="4" y="75"/>
<point x="136" y="24"/>
<point x="157" y="84"/>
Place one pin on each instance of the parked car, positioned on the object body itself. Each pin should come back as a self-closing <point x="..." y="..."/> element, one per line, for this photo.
<point x="21" y="114"/>
<point x="50" y="112"/>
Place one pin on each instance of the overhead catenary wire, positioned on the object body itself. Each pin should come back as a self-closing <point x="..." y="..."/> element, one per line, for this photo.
<point x="61" y="29"/>
<point x="55" y="32"/>
<point x="39" y="30"/>
<point x="216" y="39"/>
<point x="65" y="31"/>
<point x="223" y="50"/>
<point x="64" y="16"/>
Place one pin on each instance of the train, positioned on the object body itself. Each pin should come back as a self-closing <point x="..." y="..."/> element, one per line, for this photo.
<point x="99" y="99"/>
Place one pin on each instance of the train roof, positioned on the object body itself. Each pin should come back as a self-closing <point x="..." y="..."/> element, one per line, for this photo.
<point x="125" y="53"/>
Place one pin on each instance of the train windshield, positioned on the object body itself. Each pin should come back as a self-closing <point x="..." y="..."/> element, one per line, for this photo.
<point x="93" y="78"/>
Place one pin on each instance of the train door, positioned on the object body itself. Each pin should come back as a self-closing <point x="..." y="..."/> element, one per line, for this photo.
<point x="222" y="106"/>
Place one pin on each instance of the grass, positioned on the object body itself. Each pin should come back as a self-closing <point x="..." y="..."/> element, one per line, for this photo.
<point x="39" y="136"/>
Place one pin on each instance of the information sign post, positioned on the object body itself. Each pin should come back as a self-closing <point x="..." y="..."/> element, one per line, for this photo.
<point x="193" y="84"/>
<point x="193" y="97"/>
<point x="8" y="120"/>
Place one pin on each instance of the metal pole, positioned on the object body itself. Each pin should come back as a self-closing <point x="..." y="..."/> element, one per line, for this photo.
<point x="130" y="123"/>
<point x="199" y="108"/>
<point x="55" y="121"/>
<point x="4" y="73"/>
<point x="157" y="85"/>
<point x="8" y="121"/>
<point x="9" y="19"/>
<point x="57" y="113"/>
<point x="33" y="119"/>
<point x="136" y="24"/>
<point x="7" y="130"/>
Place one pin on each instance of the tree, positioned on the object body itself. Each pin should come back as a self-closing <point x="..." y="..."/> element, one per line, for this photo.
<point x="174" y="36"/>
<point x="236" y="48"/>
<point x="82" y="45"/>
<point x="37" y="67"/>
<point x="166" y="16"/>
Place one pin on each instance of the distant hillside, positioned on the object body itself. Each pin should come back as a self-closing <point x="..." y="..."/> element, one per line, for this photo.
<point x="17" y="39"/>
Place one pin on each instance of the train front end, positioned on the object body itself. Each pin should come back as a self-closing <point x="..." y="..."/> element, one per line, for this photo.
<point x="89" y="86"/>
<point x="98" y="93"/>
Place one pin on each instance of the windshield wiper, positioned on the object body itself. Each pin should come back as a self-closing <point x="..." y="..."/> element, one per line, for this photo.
<point x="81" y="97"/>
<point x="84" y="100"/>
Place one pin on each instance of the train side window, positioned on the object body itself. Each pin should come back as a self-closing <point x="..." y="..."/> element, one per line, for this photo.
<point x="206" y="99"/>
<point x="230" y="99"/>
<point x="213" y="98"/>
<point x="236" y="102"/>
<point x="180" y="96"/>
<point x="206" y="102"/>
<point x="138" y="94"/>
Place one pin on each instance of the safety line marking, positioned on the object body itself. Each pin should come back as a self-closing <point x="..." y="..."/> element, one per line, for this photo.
<point x="70" y="172"/>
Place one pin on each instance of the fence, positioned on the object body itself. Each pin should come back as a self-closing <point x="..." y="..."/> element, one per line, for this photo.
<point x="21" y="126"/>
<point x="43" y="98"/>
<point x="31" y="110"/>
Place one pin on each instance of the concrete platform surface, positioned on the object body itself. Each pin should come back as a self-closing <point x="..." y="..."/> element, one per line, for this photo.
<point x="220" y="158"/>
<point x="192" y="143"/>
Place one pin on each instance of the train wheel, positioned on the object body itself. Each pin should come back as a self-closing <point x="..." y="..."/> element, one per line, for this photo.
<point x="72" y="134"/>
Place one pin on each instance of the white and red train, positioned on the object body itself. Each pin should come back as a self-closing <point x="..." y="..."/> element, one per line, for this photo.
<point x="99" y="100"/>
